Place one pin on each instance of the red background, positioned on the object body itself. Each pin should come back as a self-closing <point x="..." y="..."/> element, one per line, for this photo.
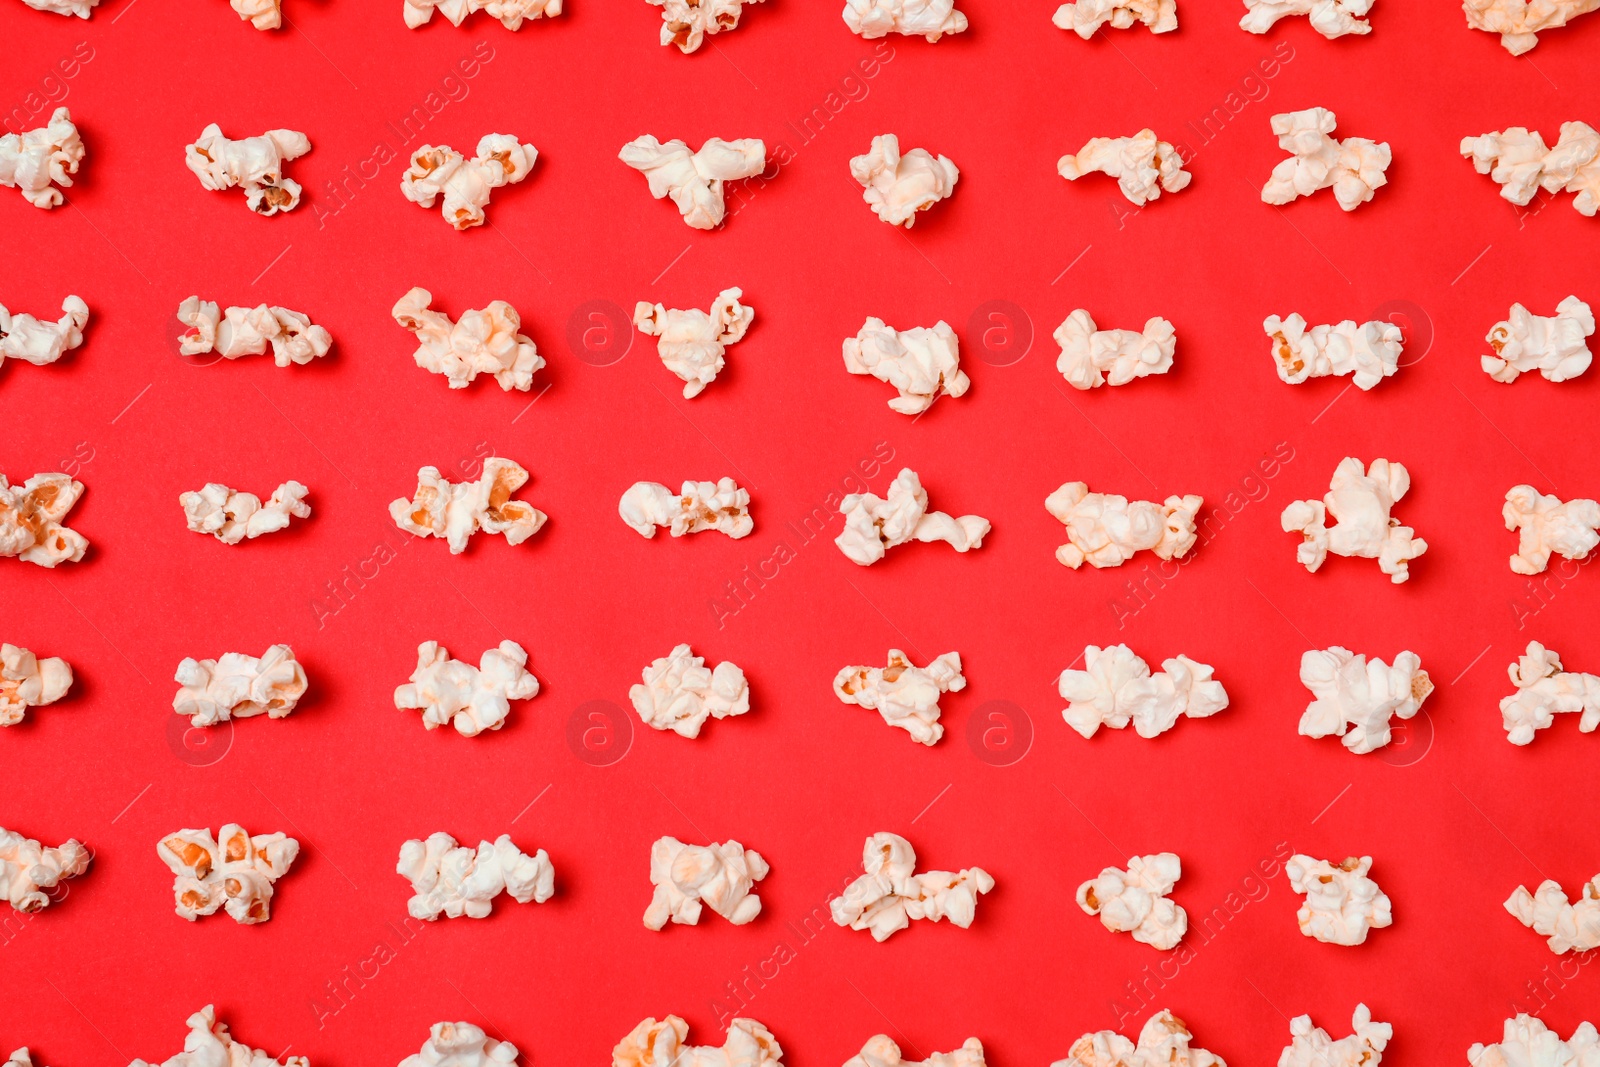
<point x="1454" y="816"/>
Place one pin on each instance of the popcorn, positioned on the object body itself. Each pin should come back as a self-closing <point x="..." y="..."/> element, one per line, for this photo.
<point x="1355" y="698"/>
<point x="1546" y="525"/>
<point x="21" y="1057"/>
<point x="1352" y="168"/>
<point x="40" y="342"/>
<point x="30" y="520"/>
<point x="1342" y="903"/>
<point x="1135" y="900"/>
<point x="242" y="331"/>
<point x="26" y="681"/>
<point x="511" y="13"/>
<point x="254" y="164"/>
<point x="873" y="525"/>
<point x="1518" y="160"/>
<point x="1311" y="1046"/>
<point x="1085" y="17"/>
<point x="661" y="1044"/>
<point x="905" y="695"/>
<point x="679" y="693"/>
<point x="457" y="510"/>
<point x="1105" y="530"/>
<point x="881" y="1051"/>
<point x="1142" y="165"/>
<point x="237" y="874"/>
<point x="472" y="699"/>
<point x="238" y="686"/>
<point x="720" y="876"/>
<point x="1570" y="927"/>
<point x="28" y="868"/>
<point x="41" y="162"/>
<point x="1370" y="351"/>
<point x="1543" y="690"/>
<point x="699" y="506"/>
<point x="1164" y="1042"/>
<point x="458" y="881"/>
<point x="1331" y="18"/>
<point x="1529" y="1043"/>
<point x="889" y="895"/>
<point x="1553" y="346"/>
<point x="693" y="342"/>
<point x="1518" y="22"/>
<point x="231" y="516"/>
<point x="262" y="14"/>
<point x="686" y="23"/>
<point x="694" y="179"/>
<point x="922" y="364"/>
<point x="82" y="9"/>
<point x="462" y="1044"/>
<point x="465" y="183"/>
<point x="489" y="341"/>
<point x="897" y="187"/>
<point x="210" y="1045"/>
<point x="1360" y="503"/>
<point x="931" y="19"/>
<point x="1091" y="357"/>
<point x="1116" y="688"/>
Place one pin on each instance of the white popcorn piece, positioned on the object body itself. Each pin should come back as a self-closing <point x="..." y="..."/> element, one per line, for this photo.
<point x="922" y="363"/>
<point x="1085" y="17"/>
<point x="1569" y="927"/>
<point x="696" y="508"/>
<point x="881" y="1051"/>
<point x="1163" y="1042"/>
<point x="454" y="881"/>
<point x="891" y="894"/>
<point x="1545" y="689"/>
<point x="511" y="13"/>
<point x="28" y="868"/>
<point x="22" y="1057"/>
<point x="1556" y="346"/>
<point x="693" y="343"/>
<point x="26" y="681"/>
<point x="80" y="8"/>
<point x="242" y="331"/>
<point x="898" y="186"/>
<point x="231" y="871"/>
<point x="1331" y="18"/>
<point x="231" y="516"/>
<point x="30" y="520"/>
<point x="486" y="341"/>
<point x="905" y="695"/>
<point x="1352" y="168"/>
<point x="873" y="525"/>
<point x="1355" y="698"/>
<point x="40" y="162"/>
<point x="930" y="19"/>
<point x="1342" y="903"/>
<point x="1134" y="901"/>
<point x="1547" y="525"/>
<point x="679" y="693"/>
<point x="462" y="1044"/>
<point x="687" y="23"/>
<point x="1142" y="165"/>
<point x="262" y="14"/>
<point x="1360" y="502"/>
<point x="1312" y="1046"/>
<point x="450" y="692"/>
<point x="39" y="341"/>
<point x="254" y="164"/>
<point x="209" y="1044"/>
<point x="1518" y="160"/>
<point x="1518" y="22"/>
<point x="660" y="1043"/>
<point x="1116" y="687"/>
<point x="1105" y="530"/>
<point x="693" y="180"/>
<point x="465" y="184"/>
<point x="238" y="686"/>
<point x="1092" y="357"/>
<point x="1369" y="352"/>
<point x="457" y="510"/>
<point x="719" y="876"/>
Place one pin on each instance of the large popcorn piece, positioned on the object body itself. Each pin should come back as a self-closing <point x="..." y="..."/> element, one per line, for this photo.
<point x="27" y="868"/>
<point x="1544" y="689"/>
<point x="1342" y="903"/>
<point x="30" y="520"/>
<point x="39" y="341"/>
<point x="890" y="894"/>
<point x="1092" y="357"/>
<point x="679" y="692"/>
<point x="238" y="686"/>
<point x="1105" y="530"/>
<point x="1135" y="900"/>
<point x="931" y="19"/>
<point x="686" y="23"/>
<point x="1556" y="346"/>
<point x="697" y="507"/>
<point x="922" y="364"/>
<point x="262" y="14"/>
<point x="1518" y="160"/>
<point x="1356" y="698"/>
<point x="1311" y="1046"/>
<point x="897" y="187"/>
<point x="1546" y="525"/>
<point x="881" y="1051"/>
<point x="905" y="695"/>
<point x="449" y="692"/>
<point x="254" y="164"/>
<point x="1360" y="502"/>
<point x="1527" y="1042"/>
<point x="26" y="681"/>
<point x="1085" y="17"/>
<point x="873" y="525"/>
<point x="231" y="516"/>
<point x="721" y="877"/>
<point x="1369" y="352"/>
<point x="694" y="179"/>
<point x="39" y="163"/>
<point x="487" y="341"/>
<point x="1352" y="168"/>
<point x="1331" y="18"/>
<point x="692" y="343"/>
<point x="511" y="14"/>
<point x="1518" y="23"/>
<point x="242" y="331"/>
<point x="1142" y="165"/>
<point x="231" y="871"/>
<point x="210" y="1045"/>
<point x="1163" y="1042"/>
<point x="1116" y="688"/>
<point x="454" y="881"/>
<point x="660" y="1043"/>
<point x="1569" y="927"/>
<point x="457" y="510"/>
<point x="465" y="183"/>
<point x="462" y="1044"/>
<point x="82" y="9"/>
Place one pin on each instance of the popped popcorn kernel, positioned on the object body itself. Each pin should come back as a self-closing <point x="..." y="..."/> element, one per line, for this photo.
<point x="1569" y="927"/>
<point x="231" y="516"/>
<point x="1311" y="1046"/>
<point x="1143" y="166"/>
<point x="891" y="894"/>
<point x="457" y="510"/>
<point x="693" y="343"/>
<point x="1134" y="901"/>
<point x="30" y="520"/>
<point x="1355" y="698"/>
<point x="26" y="681"/>
<point x="1105" y="530"/>
<point x="679" y="693"/>
<point x="907" y="696"/>
<point x="1556" y="346"/>
<point x="929" y="19"/>
<point x="696" y="508"/>
<point x="1353" y="168"/>
<point x="1163" y="1042"/>
<point x="462" y="1044"/>
<point x="898" y="186"/>
<point x="243" y="331"/>
<point x="28" y="868"/>
<point x="487" y="341"/>
<point x="1092" y="357"/>
<point x="873" y="524"/>
<point x="1544" y="690"/>
<point x="209" y="1044"/>
<point x="1360" y="501"/>
<point x="450" y="880"/>
<point x="1527" y="1042"/>
<point x="39" y="163"/>
<point x="262" y="14"/>
<point x="82" y="9"/>
<point x="253" y="164"/>
<point x="465" y="184"/>
<point x="922" y="363"/>
<point x="1547" y="525"/>
<point x="232" y="871"/>
<point x="688" y="878"/>
<point x="41" y="342"/>
<point x="693" y="179"/>
<point x="881" y="1051"/>
<point x="1342" y="903"/>
<point x="511" y="14"/>
<point x="239" y="686"/>
<point x="1085" y="17"/>
<point x="1518" y="23"/>
<point x="687" y="23"/>
<point x="1331" y="18"/>
<point x="1116" y="687"/>
<point x="450" y="692"/>
<point x="1369" y="352"/>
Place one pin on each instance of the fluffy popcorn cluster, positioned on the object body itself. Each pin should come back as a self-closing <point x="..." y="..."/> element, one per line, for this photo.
<point x="22" y="1057"/>
<point x="1370" y="352"/>
<point x="905" y="695"/>
<point x="1527" y="1042"/>
<point x="922" y="364"/>
<point x="39" y="341"/>
<point x="694" y="179"/>
<point x="1352" y="168"/>
<point x="1518" y="159"/>
<point x="1556" y="346"/>
<point x="454" y="881"/>
<point x="28" y="868"/>
<point x="660" y="1043"/>
<point x="891" y="894"/>
<point x="450" y="692"/>
<point x="1163" y="1042"/>
<point x="242" y="331"/>
<point x="679" y="692"/>
<point x="457" y="510"/>
<point x="1085" y="17"/>
<point x="26" y="681"/>
<point x="1312" y="1046"/>
<point x="1544" y="689"/>
<point x="231" y="871"/>
<point x="1135" y="900"/>
<point x="1570" y="927"/>
<point x="1116" y="688"/>
<point x="231" y="516"/>
<point x="210" y="1045"/>
<point x="487" y="341"/>
<point x="40" y="162"/>
<point x="898" y="186"/>
<point x="238" y="686"/>
<point x="1546" y="525"/>
<point x="1092" y="357"/>
<point x="719" y="876"/>
<point x="30" y="520"/>
<point x="1360" y="502"/>
<point x="1356" y="698"/>
<point x="80" y="8"/>
<point x="1142" y="165"/>
<point x="1342" y="903"/>
<point x="254" y="164"/>
<point x="262" y="14"/>
<point x="1105" y="530"/>
<point x="686" y="23"/>
<point x="1518" y="23"/>
<point x="697" y="507"/>
<point x="511" y="14"/>
<point x="462" y="1044"/>
<point x="881" y="1051"/>
<point x="464" y="183"/>
<point x="693" y="343"/>
<point x="873" y="525"/>
<point x="931" y="19"/>
<point x="1331" y="18"/>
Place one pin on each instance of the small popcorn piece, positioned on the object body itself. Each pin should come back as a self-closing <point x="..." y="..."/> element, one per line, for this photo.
<point x="891" y="894"/>
<point x="1556" y="346"/>
<point x="1360" y="503"/>
<point x="511" y="14"/>
<point x="466" y="183"/>
<point x="1518" y="160"/>
<point x="231" y="871"/>
<point x="679" y="693"/>
<point x="1142" y="165"/>
<point x="22" y="1057"/>
<point x="26" y="681"/>
<point x="231" y="516"/>
<point x="1546" y="525"/>
<point x="873" y="525"/>
<point x="1569" y="927"/>
<point x="41" y="162"/>
<point x="661" y="1044"/>
<point x="905" y="695"/>
<point x="699" y="506"/>
<point x="1164" y="1042"/>
<point x="1342" y="903"/>
<point x="687" y="23"/>
<point x="462" y="1044"/>
<point x="1544" y="689"/>
<point x="82" y="9"/>
<point x="930" y="19"/>
<point x="1116" y="688"/>
<point x="1092" y="357"/>
<point x="1352" y="168"/>
<point x="1331" y="18"/>
<point x="242" y="331"/>
<point x="1518" y="23"/>
<point x="1135" y="900"/>
<point x="238" y="686"/>
<point x="210" y="1045"/>
<point x="922" y="364"/>
<point x="1085" y="17"/>
<point x="262" y="14"/>
<point x="39" y="341"/>
<point x="30" y="520"/>
<point x="254" y="164"/>
<point x="1369" y="352"/>
<point x="693" y="180"/>
<point x="457" y="510"/>
<point x="487" y="341"/>
<point x="721" y="877"/>
<point x="1355" y="698"/>
<point x="1105" y="530"/>
<point x="693" y="343"/>
<point x="1311" y="1046"/>
<point x="28" y="869"/>
<point x="881" y="1051"/>
<point x="450" y="692"/>
<point x="1527" y="1042"/>
<point x="455" y="881"/>
<point x="897" y="187"/>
